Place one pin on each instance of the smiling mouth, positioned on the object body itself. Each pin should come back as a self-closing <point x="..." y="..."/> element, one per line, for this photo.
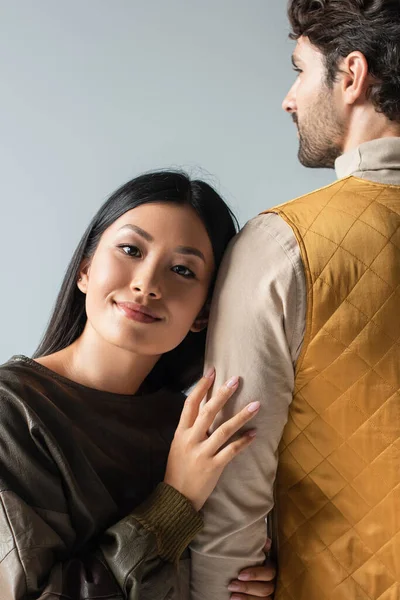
<point x="137" y="313"/>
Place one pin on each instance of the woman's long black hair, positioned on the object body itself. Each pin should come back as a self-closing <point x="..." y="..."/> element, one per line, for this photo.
<point x="181" y="367"/>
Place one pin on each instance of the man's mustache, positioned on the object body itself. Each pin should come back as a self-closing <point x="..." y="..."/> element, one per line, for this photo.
<point x="295" y="119"/>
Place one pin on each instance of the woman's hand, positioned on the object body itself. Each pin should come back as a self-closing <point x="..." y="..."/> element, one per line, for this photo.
<point x="255" y="582"/>
<point x="196" y="459"/>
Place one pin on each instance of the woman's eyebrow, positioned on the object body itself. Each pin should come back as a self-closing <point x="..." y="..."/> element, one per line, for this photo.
<point x="139" y="231"/>
<point x="189" y="250"/>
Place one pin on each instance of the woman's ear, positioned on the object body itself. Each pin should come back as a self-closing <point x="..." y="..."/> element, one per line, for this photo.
<point x="83" y="277"/>
<point x="201" y="321"/>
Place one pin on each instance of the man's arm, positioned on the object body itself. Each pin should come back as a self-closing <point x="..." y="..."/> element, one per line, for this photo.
<point x="256" y="331"/>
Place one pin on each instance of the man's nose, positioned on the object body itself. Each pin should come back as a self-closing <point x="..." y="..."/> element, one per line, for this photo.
<point x="289" y="103"/>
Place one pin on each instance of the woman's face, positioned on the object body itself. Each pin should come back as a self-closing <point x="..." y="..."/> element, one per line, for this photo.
<point x="148" y="279"/>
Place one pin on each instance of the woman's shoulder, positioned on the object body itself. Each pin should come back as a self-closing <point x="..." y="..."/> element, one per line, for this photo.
<point x="19" y="385"/>
<point x="19" y="417"/>
<point x="14" y="373"/>
<point x="28" y="395"/>
<point x="17" y="376"/>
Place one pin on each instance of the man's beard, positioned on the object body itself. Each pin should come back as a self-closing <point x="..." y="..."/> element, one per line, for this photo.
<point x="321" y="134"/>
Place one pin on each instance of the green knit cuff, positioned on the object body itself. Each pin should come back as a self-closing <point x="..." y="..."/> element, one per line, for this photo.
<point x="172" y="518"/>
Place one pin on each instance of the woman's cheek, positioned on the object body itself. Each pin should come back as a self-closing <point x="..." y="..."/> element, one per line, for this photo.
<point x="109" y="274"/>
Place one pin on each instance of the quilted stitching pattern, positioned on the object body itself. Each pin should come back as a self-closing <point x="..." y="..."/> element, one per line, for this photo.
<point x="338" y="483"/>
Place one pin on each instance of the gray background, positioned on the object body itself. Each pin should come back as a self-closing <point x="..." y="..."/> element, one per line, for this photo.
<point x="94" y="92"/>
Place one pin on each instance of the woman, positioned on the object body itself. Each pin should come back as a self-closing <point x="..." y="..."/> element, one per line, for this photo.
<point x="90" y="505"/>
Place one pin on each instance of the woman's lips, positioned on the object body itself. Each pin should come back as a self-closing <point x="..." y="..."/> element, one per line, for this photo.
<point x="137" y="313"/>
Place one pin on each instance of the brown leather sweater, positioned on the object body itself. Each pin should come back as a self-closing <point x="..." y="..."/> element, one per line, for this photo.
<point x="83" y="514"/>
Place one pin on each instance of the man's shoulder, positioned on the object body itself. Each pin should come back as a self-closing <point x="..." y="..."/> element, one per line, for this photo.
<point x="270" y="223"/>
<point x="265" y="250"/>
<point x="315" y="196"/>
<point x="264" y="235"/>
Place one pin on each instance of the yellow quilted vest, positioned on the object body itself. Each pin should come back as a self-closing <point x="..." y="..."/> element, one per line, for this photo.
<point x="338" y="482"/>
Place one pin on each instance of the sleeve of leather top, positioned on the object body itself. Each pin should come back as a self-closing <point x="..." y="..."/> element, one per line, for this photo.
<point x="40" y="554"/>
<point x="256" y="331"/>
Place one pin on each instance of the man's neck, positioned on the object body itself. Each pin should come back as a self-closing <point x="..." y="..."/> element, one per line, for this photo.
<point x="365" y="125"/>
<point x="377" y="160"/>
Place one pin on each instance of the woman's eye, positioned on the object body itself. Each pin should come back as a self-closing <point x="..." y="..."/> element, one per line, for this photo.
<point x="183" y="271"/>
<point x="131" y="250"/>
<point x="296" y="70"/>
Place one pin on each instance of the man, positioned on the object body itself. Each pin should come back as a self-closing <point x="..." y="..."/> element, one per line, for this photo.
<point x="307" y="311"/>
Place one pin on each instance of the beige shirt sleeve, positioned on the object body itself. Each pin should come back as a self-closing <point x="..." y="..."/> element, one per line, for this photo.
<point x="256" y="331"/>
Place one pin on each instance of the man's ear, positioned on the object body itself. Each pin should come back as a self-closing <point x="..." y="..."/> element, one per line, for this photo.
<point x="201" y="321"/>
<point x="356" y="79"/>
<point x="83" y="277"/>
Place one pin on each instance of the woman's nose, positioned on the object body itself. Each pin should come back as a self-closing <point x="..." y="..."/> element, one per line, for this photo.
<point x="146" y="282"/>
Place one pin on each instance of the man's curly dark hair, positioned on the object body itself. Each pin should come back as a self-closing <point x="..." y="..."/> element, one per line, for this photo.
<point x="339" y="27"/>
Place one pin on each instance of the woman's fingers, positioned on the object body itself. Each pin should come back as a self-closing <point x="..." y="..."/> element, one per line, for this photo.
<point x="193" y="467"/>
<point x="209" y="411"/>
<point x="266" y="572"/>
<point x="225" y="431"/>
<point x="255" y="582"/>
<point x="251" y="589"/>
<point x="192" y="403"/>
<point x="268" y="546"/>
<point x="254" y="592"/>
<point x="233" y="449"/>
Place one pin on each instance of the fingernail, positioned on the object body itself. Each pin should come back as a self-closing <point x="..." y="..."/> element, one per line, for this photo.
<point x="233" y="381"/>
<point x="234" y="587"/>
<point x="210" y="373"/>
<point x="244" y="576"/>
<point x="253" y="407"/>
<point x="252" y="433"/>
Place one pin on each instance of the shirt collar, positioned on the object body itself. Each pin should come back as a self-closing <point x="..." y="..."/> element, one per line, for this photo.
<point x="377" y="160"/>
